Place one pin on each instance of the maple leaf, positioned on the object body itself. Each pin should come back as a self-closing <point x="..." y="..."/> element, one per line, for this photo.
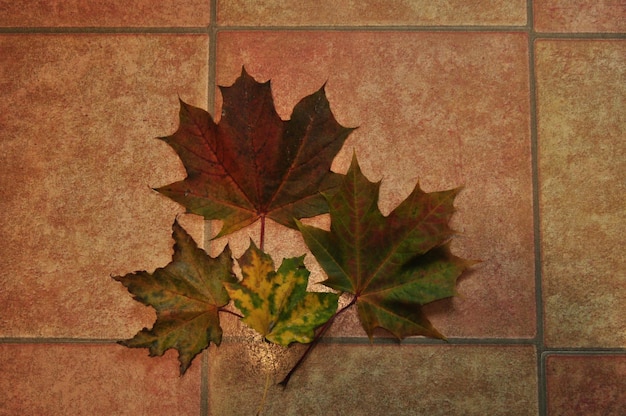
<point x="187" y="294"/>
<point x="393" y="265"/>
<point x="253" y="164"/>
<point x="276" y="303"/>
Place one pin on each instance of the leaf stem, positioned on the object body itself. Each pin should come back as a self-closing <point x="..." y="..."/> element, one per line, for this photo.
<point x="230" y="312"/>
<point x="262" y="242"/>
<point x="315" y="341"/>
<point x="266" y="388"/>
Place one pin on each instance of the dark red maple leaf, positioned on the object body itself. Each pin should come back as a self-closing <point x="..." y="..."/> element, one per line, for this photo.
<point x="253" y="164"/>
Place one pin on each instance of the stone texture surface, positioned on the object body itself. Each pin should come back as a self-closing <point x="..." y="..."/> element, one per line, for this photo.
<point x="579" y="16"/>
<point x="452" y="110"/>
<point x="371" y="12"/>
<point x="582" y="174"/>
<point x="106" y="379"/>
<point x="586" y="385"/>
<point x="78" y="158"/>
<point x="87" y="85"/>
<point x="382" y="379"/>
<point x="112" y="13"/>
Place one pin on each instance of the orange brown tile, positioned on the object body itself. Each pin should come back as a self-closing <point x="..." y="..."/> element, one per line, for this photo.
<point x="578" y="16"/>
<point x="112" y="13"/>
<point x="371" y="13"/>
<point x="78" y="158"/>
<point x="590" y="385"/>
<point x="382" y="379"/>
<point x="452" y="110"/>
<point x="582" y="162"/>
<point x="99" y="379"/>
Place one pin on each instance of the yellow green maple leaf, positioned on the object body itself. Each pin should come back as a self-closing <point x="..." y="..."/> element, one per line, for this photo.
<point x="276" y="303"/>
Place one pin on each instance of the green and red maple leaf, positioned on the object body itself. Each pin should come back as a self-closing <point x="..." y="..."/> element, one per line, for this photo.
<point x="253" y="165"/>
<point x="392" y="265"/>
<point x="187" y="295"/>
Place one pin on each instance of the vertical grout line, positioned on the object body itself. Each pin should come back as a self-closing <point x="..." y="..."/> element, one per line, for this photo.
<point x="539" y="336"/>
<point x="212" y="57"/>
<point x="204" y="383"/>
<point x="212" y="32"/>
<point x="208" y="231"/>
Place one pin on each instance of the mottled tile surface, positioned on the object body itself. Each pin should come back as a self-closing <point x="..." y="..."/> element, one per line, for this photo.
<point x="79" y="379"/>
<point x="579" y="16"/>
<point x="88" y="85"/>
<point x="110" y="13"/>
<point x="451" y="110"/>
<point x="582" y="174"/>
<point x="371" y="12"/>
<point x="591" y="385"/>
<point x="377" y="380"/>
<point x="77" y="160"/>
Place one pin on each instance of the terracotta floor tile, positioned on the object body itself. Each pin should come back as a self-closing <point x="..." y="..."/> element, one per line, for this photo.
<point x="579" y="16"/>
<point x="78" y="158"/>
<point x="371" y="12"/>
<point x="448" y="108"/>
<point x="582" y="162"/>
<point x="364" y="379"/>
<point x="63" y="379"/>
<point x="112" y="13"/>
<point x="586" y="385"/>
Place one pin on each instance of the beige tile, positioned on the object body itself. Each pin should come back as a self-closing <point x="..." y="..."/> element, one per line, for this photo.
<point x="112" y="13"/>
<point x="78" y="158"/>
<point x="586" y="385"/>
<point x="448" y="108"/>
<point x="582" y="173"/>
<point x="579" y="16"/>
<point x="365" y="380"/>
<point x="371" y="12"/>
<point x="64" y="379"/>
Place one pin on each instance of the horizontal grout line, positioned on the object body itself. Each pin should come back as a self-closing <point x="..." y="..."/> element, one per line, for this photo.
<point x="583" y="351"/>
<point x="452" y="341"/>
<point x="57" y="341"/>
<point x="409" y="341"/>
<point x="430" y="341"/>
<point x="371" y="28"/>
<point x="579" y="35"/>
<point x="217" y="29"/>
<point x="104" y="30"/>
<point x="361" y="341"/>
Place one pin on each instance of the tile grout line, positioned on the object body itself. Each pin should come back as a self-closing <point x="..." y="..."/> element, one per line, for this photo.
<point x="57" y="340"/>
<point x="208" y="229"/>
<point x="543" y="352"/>
<point x="214" y="28"/>
<point x="534" y="148"/>
<point x="377" y="28"/>
<point x="354" y="340"/>
<point x="103" y="30"/>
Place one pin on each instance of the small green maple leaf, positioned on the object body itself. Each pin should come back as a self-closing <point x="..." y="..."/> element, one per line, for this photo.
<point x="393" y="265"/>
<point x="276" y="303"/>
<point x="187" y="294"/>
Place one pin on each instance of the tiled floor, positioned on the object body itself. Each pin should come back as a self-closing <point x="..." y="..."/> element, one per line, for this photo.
<point x="522" y="102"/>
